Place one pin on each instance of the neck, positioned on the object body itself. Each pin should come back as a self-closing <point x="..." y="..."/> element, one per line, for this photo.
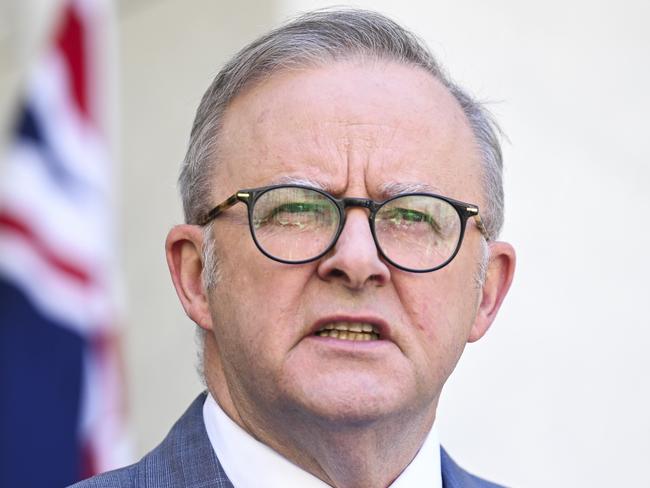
<point x="341" y="452"/>
<point x="369" y="453"/>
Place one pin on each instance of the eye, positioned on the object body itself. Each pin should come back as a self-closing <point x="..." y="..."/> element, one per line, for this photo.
<point x="410" y="215"/>
<point x="407" y="217"/>
<point x="299" y="210"/>
<point x="298" y="207"/>
<point x="299" y="215"/>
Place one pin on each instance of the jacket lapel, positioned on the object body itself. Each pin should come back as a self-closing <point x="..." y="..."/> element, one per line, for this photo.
<point x="453" y="476"/>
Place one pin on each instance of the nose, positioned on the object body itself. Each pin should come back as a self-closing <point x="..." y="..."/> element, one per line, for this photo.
<point x="354" y="260"/>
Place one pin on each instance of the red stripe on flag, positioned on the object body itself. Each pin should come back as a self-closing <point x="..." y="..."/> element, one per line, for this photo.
<point x="71" y="41"/>
<point x="15" y="225"/>
<point x="105" y="348"/>
<point x="87" y="460"/>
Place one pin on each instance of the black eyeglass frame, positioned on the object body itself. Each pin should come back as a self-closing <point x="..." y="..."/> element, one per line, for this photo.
<point x="251" y="195"/>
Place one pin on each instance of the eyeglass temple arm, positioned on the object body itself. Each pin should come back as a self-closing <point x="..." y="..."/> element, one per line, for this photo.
<point x="473" y="211"/>
<point x="240" y="196"/>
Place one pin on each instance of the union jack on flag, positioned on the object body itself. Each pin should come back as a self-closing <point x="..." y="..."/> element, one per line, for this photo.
<point x="61" y="404"/>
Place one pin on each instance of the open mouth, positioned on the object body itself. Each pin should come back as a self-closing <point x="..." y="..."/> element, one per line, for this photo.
<point x="349" y="331"/>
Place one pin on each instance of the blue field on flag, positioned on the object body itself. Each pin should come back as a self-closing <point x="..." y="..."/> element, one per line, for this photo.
<point x="61" y="408"/>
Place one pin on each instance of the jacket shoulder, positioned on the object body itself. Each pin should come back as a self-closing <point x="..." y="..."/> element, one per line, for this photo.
<point x="119" y="478"/>
<point x="184" y="458"/>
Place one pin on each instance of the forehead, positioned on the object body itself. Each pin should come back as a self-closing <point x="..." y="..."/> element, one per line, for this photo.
<point x="351" y="127"/>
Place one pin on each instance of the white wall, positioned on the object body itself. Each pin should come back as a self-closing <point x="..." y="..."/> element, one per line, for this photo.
<point x="556" y="394"/>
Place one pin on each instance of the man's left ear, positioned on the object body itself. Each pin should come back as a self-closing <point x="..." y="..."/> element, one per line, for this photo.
<point x="501" y="268"/>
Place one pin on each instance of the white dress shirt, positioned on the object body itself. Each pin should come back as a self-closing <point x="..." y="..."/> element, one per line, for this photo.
<point x="250" y="464"/>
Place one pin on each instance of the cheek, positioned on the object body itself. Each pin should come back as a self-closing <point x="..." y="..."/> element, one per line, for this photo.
<point x="441" y="310"/>
<point x="256" y="328"/>
<point x="439" y="303"/>
<point x="250" y="316"/>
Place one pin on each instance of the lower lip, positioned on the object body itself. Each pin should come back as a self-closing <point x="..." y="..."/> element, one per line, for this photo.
<point x="347" y="345"/>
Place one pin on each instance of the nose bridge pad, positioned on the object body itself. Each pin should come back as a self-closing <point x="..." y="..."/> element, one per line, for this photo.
<point x="357" y="202"/>
<point x="361" y="203"/>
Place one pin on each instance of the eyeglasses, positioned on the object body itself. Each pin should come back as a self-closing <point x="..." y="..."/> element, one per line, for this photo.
<point x="295" y="224"/>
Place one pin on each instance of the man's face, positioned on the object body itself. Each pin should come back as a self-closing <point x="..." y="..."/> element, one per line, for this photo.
<point x="354" y="129"/>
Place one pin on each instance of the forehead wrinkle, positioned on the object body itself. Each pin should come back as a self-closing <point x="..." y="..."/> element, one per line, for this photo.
<point x="360" y="145"/>
<point x="322" y="149"/>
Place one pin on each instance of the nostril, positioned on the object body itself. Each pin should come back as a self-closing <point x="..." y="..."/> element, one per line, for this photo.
<point x="377" y="278"/>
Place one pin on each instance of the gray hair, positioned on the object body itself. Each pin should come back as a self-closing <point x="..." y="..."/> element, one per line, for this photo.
<point x="314" y="39"/>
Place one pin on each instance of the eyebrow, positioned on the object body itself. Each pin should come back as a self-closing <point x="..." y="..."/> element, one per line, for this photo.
<point x="392" y="188"/>
<point x="298" y="180"/>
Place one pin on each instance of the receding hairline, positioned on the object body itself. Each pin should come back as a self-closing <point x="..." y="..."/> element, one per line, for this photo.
<point x="355" y="59"/>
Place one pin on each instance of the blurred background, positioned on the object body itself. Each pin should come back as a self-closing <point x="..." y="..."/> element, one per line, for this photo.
<point x="557" y="393"/>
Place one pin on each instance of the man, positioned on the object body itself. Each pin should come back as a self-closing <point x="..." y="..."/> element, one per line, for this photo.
<point x="335" y="259"/>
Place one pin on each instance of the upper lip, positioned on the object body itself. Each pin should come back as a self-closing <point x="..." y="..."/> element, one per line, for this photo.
<point x="380" y="325"/>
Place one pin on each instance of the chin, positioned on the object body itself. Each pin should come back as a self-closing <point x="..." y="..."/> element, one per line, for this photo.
<point x="352" y="403"/>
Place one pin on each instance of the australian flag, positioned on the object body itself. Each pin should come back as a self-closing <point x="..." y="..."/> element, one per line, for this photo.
<point x="61" y="408"/>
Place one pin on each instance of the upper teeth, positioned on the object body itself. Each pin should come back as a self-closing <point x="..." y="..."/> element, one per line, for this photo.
<point x="350" y="327"/>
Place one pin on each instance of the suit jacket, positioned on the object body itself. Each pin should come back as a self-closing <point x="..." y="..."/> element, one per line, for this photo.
<point x="185" y="458"/>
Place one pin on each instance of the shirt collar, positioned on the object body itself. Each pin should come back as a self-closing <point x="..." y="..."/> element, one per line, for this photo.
<point x="245" y="460"/>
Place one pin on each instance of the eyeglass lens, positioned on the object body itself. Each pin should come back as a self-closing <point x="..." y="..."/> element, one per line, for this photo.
<point x="414" y="231"/>
<point x="417" y="231"/>
<point x="294" y="224"/>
